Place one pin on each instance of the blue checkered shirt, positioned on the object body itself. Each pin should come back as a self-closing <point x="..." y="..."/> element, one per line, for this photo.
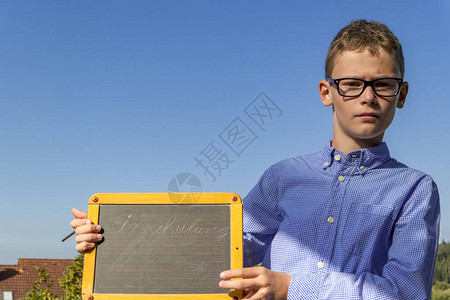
<point x="361" y="226"/>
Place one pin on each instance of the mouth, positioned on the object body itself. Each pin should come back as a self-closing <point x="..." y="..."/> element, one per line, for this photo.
<point x="368" y="116"/>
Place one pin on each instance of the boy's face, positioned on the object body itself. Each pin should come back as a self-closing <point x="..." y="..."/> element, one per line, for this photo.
<point x="362" y="120"/>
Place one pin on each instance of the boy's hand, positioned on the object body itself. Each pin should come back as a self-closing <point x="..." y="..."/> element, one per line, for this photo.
<point x="87" y="233"/>
<point x="262" y="282"/>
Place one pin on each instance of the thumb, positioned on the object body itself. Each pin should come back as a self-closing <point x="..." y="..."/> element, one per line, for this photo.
<point x="79" y="214"/>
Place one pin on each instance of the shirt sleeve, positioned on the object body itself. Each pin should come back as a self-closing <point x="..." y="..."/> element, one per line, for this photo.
<point x="262" y="218"/>
<point x="408" y="273"/>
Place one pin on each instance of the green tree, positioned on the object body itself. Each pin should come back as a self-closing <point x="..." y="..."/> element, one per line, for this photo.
<point x="441" y="279"/>
<point x="441" y="291"/>
<point x="71" y="281"/>
<point x="41" y="288"/>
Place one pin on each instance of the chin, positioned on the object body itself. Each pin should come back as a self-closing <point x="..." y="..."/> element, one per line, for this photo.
<point x="370" y="136"/>
<point x="369" y="133"/>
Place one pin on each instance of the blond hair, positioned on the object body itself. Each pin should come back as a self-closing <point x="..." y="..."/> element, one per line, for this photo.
<point x="360" y="35"/>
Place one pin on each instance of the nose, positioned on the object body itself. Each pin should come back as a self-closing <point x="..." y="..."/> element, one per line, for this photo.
<point x="368" y="96"/>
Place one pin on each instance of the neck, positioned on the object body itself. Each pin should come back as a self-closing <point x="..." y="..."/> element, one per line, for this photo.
<point x="347" y="145"/>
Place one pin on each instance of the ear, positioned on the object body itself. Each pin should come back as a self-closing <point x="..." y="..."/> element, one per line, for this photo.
<point x="402" y="94"/>
<point x="325" y="93"/>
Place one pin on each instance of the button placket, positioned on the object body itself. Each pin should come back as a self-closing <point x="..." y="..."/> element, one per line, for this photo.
<point x="327" y="237"/>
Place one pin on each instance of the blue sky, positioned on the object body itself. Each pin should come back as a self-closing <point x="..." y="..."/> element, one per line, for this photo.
<point x="120" y="96"/>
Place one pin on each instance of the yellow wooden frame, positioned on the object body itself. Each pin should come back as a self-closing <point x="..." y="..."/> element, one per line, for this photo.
<point x="236" y="258"/>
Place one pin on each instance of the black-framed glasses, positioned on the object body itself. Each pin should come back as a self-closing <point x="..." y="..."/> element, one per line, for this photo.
<point x="354" y="87"/>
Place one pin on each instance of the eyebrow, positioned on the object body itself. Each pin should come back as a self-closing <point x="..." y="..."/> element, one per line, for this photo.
<point x="366" y="78"/>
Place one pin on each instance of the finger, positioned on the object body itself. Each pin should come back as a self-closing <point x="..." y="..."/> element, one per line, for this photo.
<point x="75" y="223"/>
<point x="90" y="238"/>
<point x="242" y="273"/>
<point x="85" y="246"/>
<point x="241" y="284"/>
<point x="88" y="229"/>
<point x="79" y="214"/>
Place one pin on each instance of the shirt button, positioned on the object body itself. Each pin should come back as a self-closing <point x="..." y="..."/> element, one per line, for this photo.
<point x="362" y="168"/>
<point x="320" y="264"/>
<point x="330" y="220"/>
<point x="341" y="178"/>
<point x="337" y="157"/>
<point x="325" y="164"/>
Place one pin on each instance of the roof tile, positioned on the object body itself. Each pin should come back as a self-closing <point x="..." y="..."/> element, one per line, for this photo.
<point x="21" y="277"/>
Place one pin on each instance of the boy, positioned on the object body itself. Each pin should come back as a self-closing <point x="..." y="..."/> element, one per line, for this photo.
<point x="348" y="222"/>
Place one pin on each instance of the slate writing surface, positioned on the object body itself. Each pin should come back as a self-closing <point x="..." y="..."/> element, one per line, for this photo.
<point x="162" y="249"/>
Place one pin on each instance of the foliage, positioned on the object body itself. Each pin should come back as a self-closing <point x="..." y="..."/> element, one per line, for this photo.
<point x="438" y="294"/>
<point x="41" y="288"/>
<point x="71" y="282"/>
<point x="442" y="270"/>
<point x="441" y="279"/>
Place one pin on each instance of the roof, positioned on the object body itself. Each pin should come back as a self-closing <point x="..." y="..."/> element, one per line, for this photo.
<point x="20" y="278"/>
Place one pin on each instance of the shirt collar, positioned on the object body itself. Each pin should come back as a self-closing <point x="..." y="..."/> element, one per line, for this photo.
<point x="367" y="158"/>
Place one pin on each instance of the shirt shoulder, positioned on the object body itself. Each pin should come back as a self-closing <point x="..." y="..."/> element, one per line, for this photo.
<point x="297" y="166"/>
<point x="302" y="159"/>
<point x="404" y="171"/>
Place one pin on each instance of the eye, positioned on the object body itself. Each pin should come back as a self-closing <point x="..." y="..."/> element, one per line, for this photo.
<point x="383" y="84"/>
<point x="352" y="83"/>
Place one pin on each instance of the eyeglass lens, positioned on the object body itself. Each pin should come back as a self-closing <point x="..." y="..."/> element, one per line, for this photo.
<point x="382" y="87"/>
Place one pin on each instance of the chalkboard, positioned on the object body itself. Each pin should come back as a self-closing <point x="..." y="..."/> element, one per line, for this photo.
<point x="154" y="248"/>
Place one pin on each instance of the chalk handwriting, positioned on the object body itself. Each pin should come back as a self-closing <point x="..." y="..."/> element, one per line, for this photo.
<point x="171" y="226"/>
